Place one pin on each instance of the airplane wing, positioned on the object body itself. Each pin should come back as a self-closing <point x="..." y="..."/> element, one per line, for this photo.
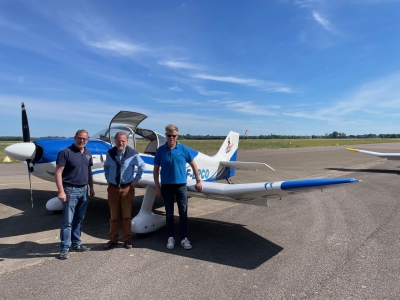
<point x="249" y="192"/>
<point x="98" y="177"/>
<point x="390" y="156"/>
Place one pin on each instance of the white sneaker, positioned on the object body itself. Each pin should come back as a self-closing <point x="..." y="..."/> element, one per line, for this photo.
<point x="171" y="243"/>
<point x="186" y="244"/>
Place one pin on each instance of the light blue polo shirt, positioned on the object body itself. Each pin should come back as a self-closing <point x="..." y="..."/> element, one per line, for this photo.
<point x="173" y="163"/>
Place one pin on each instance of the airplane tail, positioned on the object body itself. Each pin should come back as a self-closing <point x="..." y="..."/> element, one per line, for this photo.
<point x="228" y="150"/>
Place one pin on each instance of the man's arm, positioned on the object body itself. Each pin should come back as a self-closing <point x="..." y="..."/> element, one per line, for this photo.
<point x="106" y="167"/>
<point x="58" y="176"/>
<point x="156" y="176"/>
<point x="90" y="180"/>
<point x="199" y="185"/>
<point x="141" y="166"/>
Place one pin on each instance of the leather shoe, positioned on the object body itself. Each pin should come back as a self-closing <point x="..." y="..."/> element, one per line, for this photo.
<point x="128" y="244"/>
<point x="109" y="245"/>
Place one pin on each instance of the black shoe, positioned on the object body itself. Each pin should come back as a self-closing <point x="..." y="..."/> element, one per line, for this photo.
<point x="80" y="248"/>
<point x="128" y="244"/>
<point x="64" y="254"/>
<point x="109" y="245"/>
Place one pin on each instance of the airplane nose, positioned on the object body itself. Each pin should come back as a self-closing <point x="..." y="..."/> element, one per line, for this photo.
<point x="21" y="151"/>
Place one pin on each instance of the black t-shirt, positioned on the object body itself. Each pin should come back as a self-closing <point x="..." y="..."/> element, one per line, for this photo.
<point x="76" y="165"/>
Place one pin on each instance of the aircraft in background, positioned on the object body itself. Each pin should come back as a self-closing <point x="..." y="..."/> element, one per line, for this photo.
<point x="40" y="157"/>
<point x="389" y="156"/>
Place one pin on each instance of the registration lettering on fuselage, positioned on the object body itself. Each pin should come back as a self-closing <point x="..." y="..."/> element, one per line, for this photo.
<point x="204" y="173"/>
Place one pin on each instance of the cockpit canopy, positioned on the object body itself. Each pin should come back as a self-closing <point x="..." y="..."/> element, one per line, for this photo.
<point x="127" y="122"/>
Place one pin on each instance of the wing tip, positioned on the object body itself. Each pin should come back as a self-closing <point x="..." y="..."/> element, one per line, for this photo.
<point x="352" y="149"/>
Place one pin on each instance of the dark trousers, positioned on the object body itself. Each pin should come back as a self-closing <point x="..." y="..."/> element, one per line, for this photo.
<point x="179" y="193"/>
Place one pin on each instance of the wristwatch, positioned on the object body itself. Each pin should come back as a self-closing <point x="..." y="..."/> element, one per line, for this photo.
<point x="198" y="180"/>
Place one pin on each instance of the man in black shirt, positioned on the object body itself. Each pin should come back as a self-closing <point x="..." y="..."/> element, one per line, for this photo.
<point x="73" y="174"/>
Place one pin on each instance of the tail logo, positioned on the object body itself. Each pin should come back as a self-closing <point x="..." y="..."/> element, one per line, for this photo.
<point x="230" y="145"/>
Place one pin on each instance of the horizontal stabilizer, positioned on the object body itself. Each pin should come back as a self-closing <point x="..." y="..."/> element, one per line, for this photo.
<point x="250" y="166"/>
<point x="390" y="156"/>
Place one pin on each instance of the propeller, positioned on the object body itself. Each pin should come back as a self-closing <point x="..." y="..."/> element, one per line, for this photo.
<point x="27" y="139"/>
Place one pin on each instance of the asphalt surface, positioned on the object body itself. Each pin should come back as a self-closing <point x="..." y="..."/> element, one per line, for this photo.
<point x="341" y="243"/>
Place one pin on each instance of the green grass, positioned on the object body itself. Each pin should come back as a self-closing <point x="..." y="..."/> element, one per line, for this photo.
<point x="214" y="145"/>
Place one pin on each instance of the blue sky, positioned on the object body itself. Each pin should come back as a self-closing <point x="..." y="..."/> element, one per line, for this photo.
<point x="290" y="67"/>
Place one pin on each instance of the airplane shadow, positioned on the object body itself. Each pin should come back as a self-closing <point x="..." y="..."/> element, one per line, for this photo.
<point x="213" y="241"/>
<point x="381" y="171"/>
<point x="218" y="242"/>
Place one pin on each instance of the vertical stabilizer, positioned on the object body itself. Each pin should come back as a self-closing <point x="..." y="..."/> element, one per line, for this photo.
<point x="228" y="150"/>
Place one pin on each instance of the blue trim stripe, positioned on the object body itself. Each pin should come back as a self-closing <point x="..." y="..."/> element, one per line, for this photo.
<point x="299" y="184"/>
<point x="97" y="172"/>
<point x="148" y="160"/>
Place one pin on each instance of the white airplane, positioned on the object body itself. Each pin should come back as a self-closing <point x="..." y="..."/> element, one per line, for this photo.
<point x="389" y="156"/>
<point x="41" y="155"/>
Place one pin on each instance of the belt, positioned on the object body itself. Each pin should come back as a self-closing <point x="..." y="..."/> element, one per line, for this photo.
<point x="75" y="185"/>
<point x="122" y="185"/>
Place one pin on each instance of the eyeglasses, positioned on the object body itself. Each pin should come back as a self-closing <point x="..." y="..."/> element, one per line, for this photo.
<point x="81" y="138"/>
<point x="172" y="135"/>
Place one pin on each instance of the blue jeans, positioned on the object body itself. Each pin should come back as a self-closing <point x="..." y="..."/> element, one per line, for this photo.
<point x="179" y="192"/>
<point x="74" y="210"/>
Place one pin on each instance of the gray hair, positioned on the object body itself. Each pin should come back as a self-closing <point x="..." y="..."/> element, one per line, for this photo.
<point x="80" y="131"/>
<point x="121" y="133"/>
<point x="171" y="127"/>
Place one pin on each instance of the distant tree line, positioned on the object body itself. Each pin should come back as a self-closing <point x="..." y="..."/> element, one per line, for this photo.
<point x="333" y="135"/>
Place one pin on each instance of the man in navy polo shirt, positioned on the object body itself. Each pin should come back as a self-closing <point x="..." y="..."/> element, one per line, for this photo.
<point x="73" y="174"/>
<point x="172" y="158"/>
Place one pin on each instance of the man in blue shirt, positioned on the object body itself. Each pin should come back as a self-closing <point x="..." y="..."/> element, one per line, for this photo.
<point x="73" y="174"/>
<point x="119" y="169"/>
<point x="172" y="158"/>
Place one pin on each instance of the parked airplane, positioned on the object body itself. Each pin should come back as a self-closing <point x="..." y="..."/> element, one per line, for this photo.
<point x="41" y="155"/>
<point x="390" y="156"/>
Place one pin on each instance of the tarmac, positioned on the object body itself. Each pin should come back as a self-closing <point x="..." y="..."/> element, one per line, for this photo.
<point x="340" y="243"/>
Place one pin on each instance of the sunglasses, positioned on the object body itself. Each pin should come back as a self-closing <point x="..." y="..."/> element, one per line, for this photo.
<point x="172" y="135"/>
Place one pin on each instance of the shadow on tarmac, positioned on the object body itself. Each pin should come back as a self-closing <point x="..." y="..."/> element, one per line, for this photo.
<point x="213" y="241"/>
<point x="396" y="172"/>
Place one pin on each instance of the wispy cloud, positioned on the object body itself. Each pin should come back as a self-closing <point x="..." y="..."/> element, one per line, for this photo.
<point x="175" y="88"/>
<point x="324" y="23"/>
<point x="264" y="85"/>
<point x="174" y="64"/>
<point x="247" y="107"/>
<point x="381" y="96"/>
<point x="118" y="47"/>
<point x="306" y="3"/>
<point x="205" y="92"/>
<point x="177" y="101"/>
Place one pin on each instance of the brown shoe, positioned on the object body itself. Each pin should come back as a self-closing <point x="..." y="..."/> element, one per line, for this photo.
<point x="109" y="245"/>
<point x="128" y="244"/>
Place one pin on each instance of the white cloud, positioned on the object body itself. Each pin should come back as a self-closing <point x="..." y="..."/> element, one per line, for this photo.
<point x="264" y="85"/>
<point x="179" y="65"/>
<point x="119" y="47"/>
<point x="324" y="23"/>
<point x="204" y="92"/>
<point x="381" y="97"/>
<point x="247" y="107"/>
<point x="175" y="88"/>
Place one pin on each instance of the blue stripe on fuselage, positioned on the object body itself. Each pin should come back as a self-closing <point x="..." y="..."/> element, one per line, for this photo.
<point x="51" y="147"/>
